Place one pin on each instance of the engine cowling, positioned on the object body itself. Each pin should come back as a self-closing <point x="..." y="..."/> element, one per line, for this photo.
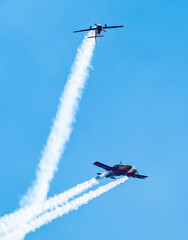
<point x="131" y="172"/>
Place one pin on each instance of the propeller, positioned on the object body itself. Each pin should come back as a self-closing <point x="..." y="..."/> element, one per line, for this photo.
<point x="136" y="169"/>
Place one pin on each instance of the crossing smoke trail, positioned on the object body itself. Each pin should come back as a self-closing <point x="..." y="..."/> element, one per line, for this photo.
<point x="62" y="126"/>
<point x="12" y="221"/>
<point x="60" y="211"/>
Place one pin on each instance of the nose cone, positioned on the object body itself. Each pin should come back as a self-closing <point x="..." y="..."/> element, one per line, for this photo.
<point x="131" y="172"/>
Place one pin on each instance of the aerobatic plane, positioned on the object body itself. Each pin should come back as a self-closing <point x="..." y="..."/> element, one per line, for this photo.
<point x="118" y="170"/>
<point x="98" y="28"/>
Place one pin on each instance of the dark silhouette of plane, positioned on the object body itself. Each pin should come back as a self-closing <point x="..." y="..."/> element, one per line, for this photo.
<point x="98" y="29"/>
<point x="118" y="170"/>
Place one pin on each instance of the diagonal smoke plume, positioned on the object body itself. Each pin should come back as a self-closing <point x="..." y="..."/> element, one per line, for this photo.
<point x="59" y="211"/>
<point x="13" y="221"/>
<point x="62" y="126"/>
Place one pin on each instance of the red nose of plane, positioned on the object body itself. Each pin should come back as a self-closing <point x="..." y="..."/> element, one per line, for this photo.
<point x="131" y="172"/>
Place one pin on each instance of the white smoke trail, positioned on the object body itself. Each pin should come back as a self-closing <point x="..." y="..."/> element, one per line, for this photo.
<point x="13" y="221"/>
<point x="60" y="210"/>
<point x="62" y="126"/>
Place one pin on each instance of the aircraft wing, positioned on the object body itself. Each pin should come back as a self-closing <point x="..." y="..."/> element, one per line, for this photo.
<point x="112" y="27"/>
<point x="139" y="176"/>
<point x="98" y="164"/>
<point x="84" y="30"/>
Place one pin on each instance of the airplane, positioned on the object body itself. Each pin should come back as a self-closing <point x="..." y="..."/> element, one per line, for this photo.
<point x="118" y="170"/>
<point x="98" y="29"/>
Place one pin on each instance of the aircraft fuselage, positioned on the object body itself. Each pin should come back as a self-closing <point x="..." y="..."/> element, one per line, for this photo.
<point x="118" y="170"/>
<point x="99" y="29"/>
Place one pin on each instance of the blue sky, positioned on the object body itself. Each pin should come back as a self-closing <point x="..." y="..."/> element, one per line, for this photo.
<point x="134" y="109"/>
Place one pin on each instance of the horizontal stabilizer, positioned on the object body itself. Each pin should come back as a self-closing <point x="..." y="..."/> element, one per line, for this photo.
<point x="96" y="36"/>
<point x="98" y="164"/>
<point x="112" y="177"/>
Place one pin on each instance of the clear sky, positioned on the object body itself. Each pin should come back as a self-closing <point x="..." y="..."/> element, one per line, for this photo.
<point x="134" y="109"/>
